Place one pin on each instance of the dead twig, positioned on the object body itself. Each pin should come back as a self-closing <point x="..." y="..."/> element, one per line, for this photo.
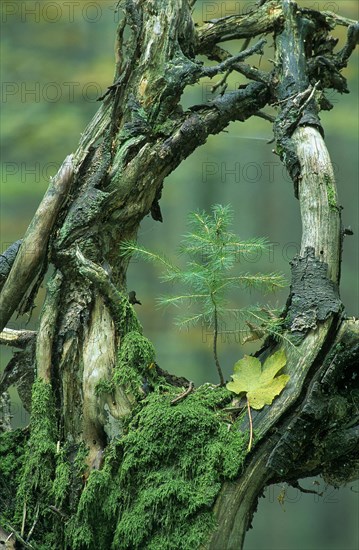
<point x="35" y="522"/>
<point x="250" y="426"/>
<point x="296" y="485"/>
<point x="221" y="82"/>
<point x="184" y="394"/>
<point x="23" y="519"/>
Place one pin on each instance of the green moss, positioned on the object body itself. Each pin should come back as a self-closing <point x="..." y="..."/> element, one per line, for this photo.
<point x="279" y="149"/>
<point x="89" y="527"/>
<point x="158" y="483"/>
<point x="68" y="483"/>
<point x="164" y="129"/>
<point x="12" y="450"/>
<point x="160" y="480"/>
<point x="135" y="359"/>
<point x="331" y="193"/>
<point x="47" y="481"/>
<point x="125" y="316"/>
<point x="104" y="386"/>
<point x="62" y="481"/>
<point x="35" y="483"/>
<point x="332" y="198"/>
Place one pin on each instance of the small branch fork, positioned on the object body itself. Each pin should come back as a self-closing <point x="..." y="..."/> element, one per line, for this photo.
<point x="300" y="100"/>
<point x="252" y="73"/>
<point x="228" y="64"/>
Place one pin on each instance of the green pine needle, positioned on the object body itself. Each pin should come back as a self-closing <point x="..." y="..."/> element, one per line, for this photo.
<point x="213" y="252"/>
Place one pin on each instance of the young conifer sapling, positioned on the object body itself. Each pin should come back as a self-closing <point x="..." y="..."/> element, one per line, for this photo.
<point x="212" y="252"/>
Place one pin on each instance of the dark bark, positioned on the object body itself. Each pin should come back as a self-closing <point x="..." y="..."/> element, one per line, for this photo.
<point x="115" y="178"/>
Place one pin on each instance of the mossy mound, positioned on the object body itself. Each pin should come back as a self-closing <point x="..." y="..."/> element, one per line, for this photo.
<point x="159" y="482"/>
<point x="156" y="488"/>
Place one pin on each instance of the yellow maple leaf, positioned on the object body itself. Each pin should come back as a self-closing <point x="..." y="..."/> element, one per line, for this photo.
<point x="259" y="383"/>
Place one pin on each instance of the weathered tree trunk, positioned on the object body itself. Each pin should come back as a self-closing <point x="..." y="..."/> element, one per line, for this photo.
<point x="90" y="354"/>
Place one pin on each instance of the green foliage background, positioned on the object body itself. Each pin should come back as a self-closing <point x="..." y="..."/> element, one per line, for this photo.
<point x="56" y="59"/>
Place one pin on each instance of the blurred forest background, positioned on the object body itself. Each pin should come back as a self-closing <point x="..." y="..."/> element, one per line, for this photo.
<point x="56" y="60"/>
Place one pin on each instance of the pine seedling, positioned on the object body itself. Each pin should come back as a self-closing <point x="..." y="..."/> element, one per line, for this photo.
<point x="211" y="271"/>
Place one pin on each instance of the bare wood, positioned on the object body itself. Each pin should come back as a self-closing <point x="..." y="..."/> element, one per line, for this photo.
<point x="33" y="249"/>
<point x="319" y="207"/>
<point x="18" y="537"/>
<point x="337" y="19"/>
<point x="47" y="329"/>
<point x="16" y="338"/>
<point x="235" y="503"/>
<point x="7" y="539"/>
<point x="99" y="360"/>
